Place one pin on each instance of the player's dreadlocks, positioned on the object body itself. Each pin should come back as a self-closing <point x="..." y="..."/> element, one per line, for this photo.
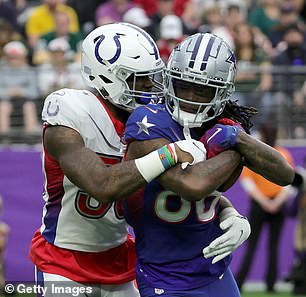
<point x="239" y="113"/>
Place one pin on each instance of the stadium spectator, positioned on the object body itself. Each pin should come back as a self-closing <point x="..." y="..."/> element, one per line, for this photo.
<point x="293" y="55"/>
<point x="84" y="177"/>
<point x="300" y="6"/>
<point x="267" y="202"/>
<point x="8" y="13"/>
<point x="171" y="33"/>
<point x="164" y="8"/>
<point x="234" y="15"/>
<point x="112" y="11"/>
<point x="253" y="80"/>
<point x="289" y="75"/>
<point x="289" y="16"/>
<point x="265" y="15"/>
<point x="62" y="24"/>
<point x="151" y="7"/>
<point x="86" y="13"/>
<point x="41" y="20"/>
<point x="213" y="22"/>
<point x="171" y="231"/>
<point x="7" y="34"/>
<point x="61" y="71"/>
<point x="137" y="16"/>
<point x="18" y="85"/>
<point x="24" y="9"/>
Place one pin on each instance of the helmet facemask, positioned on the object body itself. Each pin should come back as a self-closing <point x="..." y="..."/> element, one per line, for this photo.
<point x="198" y="112"/>
<point x="133" y="97"/>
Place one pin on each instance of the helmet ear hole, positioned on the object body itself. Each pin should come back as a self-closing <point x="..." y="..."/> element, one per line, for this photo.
<point x="91" y="77"/>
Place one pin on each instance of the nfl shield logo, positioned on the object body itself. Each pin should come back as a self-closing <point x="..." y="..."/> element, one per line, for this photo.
<point x="158" y="291"/>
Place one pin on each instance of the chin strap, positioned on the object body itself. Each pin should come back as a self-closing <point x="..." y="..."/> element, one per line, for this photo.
<point x="186" y="132"/>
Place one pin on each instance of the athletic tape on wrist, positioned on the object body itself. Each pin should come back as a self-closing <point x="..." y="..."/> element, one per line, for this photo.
<point x="156" y="162"/>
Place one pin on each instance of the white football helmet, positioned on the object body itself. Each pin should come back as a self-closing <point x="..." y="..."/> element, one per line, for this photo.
<point x="201" y="59"/>
<point x="111" y="54"/>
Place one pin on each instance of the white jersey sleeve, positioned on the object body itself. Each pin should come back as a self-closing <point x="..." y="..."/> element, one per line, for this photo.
<point x="60" y="108"/>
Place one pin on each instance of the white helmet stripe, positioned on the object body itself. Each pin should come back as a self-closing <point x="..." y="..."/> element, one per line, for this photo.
<point x="203" y="49"/>
<point x="148" y="37"/>
<point x="195" y="51"/>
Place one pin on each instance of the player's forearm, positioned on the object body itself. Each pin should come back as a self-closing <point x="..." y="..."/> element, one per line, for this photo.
<point x="202" y="179"/>
<point x="105" y="184"/>
<point x="264" y="160"/>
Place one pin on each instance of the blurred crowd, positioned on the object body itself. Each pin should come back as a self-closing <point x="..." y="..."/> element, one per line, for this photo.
<point x="40" y="49"/>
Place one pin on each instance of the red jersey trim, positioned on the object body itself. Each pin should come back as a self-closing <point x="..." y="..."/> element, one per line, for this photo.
<point x="119" y="126"/>
<point x="115" y="266"/>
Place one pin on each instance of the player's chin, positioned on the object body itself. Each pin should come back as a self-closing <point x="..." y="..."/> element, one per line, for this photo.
<point x="231" y="180"/>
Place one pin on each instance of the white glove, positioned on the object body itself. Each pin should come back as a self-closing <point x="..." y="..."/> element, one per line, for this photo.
<point x="237" y="230"/>
<point x="195" y="148"/>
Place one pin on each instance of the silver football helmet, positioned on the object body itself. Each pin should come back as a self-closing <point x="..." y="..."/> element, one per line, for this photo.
<point x="115" y="52"/>
<point x="201" y="60"/>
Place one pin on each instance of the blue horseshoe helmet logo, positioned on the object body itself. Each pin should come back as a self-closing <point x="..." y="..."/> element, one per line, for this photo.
<point x="117" y="54"/>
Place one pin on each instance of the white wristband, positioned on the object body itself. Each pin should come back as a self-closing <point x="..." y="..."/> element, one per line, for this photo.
<point x="228" y="212"/>
<point x="155" y="163"/>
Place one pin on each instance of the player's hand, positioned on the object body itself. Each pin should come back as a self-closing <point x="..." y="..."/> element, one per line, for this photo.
<point x="237" y="229"/>
<point x="190" y="152"/>
<point x="219" y="138"/>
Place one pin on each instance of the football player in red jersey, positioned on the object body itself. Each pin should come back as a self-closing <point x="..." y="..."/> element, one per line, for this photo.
<point x="84" y="237"/>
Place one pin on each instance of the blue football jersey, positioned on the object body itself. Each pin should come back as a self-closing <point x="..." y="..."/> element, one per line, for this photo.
<point x="170" y="231"/>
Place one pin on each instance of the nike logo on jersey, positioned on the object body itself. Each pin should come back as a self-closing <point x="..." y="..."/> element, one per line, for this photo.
<point x="152" y="110"/>
<point x="210" y="138"/>
<point x="144" y="126"/>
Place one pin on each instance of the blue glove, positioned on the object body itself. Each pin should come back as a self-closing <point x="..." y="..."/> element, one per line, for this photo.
<point x="219" y="138"/>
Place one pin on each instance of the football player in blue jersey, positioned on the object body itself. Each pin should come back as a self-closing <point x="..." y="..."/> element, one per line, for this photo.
<point x="180" y="213"/>
<point x="84" y="176"/>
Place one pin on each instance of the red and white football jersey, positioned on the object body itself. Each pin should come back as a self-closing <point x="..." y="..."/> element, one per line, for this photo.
<point x="93" y="236"/>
